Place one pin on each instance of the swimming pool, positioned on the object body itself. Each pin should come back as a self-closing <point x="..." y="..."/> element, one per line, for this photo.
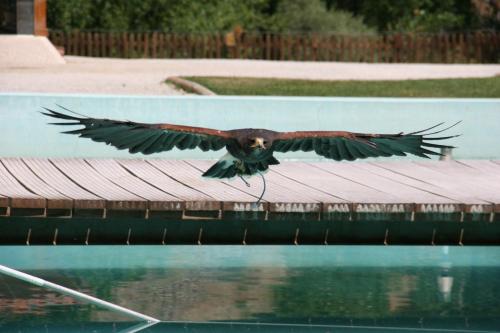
<point x="370" y="288"/>
<point x="480" y="119"/>
<point x="261" y="288"/>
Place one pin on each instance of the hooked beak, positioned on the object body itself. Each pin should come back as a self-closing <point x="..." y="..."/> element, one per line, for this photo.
<point x="259" y="143"/>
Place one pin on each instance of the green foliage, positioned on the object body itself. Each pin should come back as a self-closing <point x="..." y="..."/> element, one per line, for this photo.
<point x="313" y="16"/>
<point x="487" y="87"/>
<point x="196" y="16"/>
<point x="214" y="15"/>
<point x="69" y="14"/>
<point x="432" y="16"/>
<point x="342" y="16"/>
<point x="430" y="22"/>
<point x="151" y="15"/>
<point x="422" y="15"/>
<point x="416" y="15"/>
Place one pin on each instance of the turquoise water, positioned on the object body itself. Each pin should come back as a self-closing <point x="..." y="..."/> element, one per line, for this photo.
<point x="260" y="288"/>
<point x="322" y="289"/>
<point x="19" y="114"/>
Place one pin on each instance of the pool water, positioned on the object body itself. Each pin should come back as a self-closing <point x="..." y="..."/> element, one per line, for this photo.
<point x="480" y="118"/>
<point x="319" y="288"/>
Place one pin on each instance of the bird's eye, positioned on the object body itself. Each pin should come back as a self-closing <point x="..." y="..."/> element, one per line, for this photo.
<point x="265" y="142"/>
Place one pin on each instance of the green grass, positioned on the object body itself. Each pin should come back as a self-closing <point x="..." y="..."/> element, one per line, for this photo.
<point x="482" y="87"/>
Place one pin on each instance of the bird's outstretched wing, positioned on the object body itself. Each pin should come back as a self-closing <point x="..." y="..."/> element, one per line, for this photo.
<point x="143" y="138"/>
<point x="350" y="146"/>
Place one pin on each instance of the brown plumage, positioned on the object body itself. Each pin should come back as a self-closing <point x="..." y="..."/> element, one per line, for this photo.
<point x="250" y="151"/>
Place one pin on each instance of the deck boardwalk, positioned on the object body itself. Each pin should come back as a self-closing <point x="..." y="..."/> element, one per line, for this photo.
<point x="454" y="191"/>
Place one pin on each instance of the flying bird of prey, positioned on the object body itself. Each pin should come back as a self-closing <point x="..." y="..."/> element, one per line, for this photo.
<point x="249" y="151"/>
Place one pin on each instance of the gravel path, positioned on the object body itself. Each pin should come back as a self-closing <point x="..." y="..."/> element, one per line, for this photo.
<point x="147" y="76"/>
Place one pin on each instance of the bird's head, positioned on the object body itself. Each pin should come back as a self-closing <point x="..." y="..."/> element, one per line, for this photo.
<point x="258" y="143"/>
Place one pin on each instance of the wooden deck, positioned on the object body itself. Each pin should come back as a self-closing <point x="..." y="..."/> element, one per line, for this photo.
<point x="456" y="191"/>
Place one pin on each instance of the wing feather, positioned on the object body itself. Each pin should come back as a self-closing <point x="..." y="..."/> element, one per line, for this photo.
<point x="142" y="138"/>
<point x="341" y="145"/>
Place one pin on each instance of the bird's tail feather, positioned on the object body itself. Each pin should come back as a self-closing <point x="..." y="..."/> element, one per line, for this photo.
<point x="229" y="166"/>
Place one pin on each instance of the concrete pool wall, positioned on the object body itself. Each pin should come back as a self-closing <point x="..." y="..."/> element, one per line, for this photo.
<point x="24" y="131"/>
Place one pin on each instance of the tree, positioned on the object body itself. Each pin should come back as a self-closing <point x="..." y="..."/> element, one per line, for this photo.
<point x="313" y="16"/>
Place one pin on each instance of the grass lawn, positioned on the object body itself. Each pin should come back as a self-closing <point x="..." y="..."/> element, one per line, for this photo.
<point x="482" y="87"/>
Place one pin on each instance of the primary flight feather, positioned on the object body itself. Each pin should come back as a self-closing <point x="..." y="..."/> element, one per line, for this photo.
<point x="249" y="150"/>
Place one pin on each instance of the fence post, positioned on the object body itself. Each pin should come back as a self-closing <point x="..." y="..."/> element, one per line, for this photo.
<point x="154" y="45"/>
<point x="314" y="46"/>
<point x="478" y="45"/>
<point x="497" y="43"/>
<point x="89" y="44"/>
<point x="124" y="45"/>
<point x="161" y="45"/>
<point x="292" y="44"/>
<point x="281" y="43"/>
<point x="374" y="48"/>
<point x="96" y="46"/>
<point x="268" y="46"/>
<point x="331" y="48"/>
<point x="145" y="44"/>
<point x="132" y="45"/>
<point x="77" y="43"/>
<point x="218" y="46"/>
<point x="444" y="47"/>
<point x="347" y="46"/>
<point x="111" y="45"/>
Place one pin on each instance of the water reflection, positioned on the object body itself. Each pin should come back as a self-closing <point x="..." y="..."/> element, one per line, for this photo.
<point x="445" y="281"/>
<point x="248" y="287"/>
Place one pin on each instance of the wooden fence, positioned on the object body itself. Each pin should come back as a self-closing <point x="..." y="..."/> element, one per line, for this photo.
<point x="474" y="47"/>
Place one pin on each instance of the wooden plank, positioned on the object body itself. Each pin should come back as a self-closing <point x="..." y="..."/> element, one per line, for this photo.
<point x="84" y="175"/>
<point x="194" y="198"/>
<point x="381" y="187"/>
<point x="282" y="194"/>
<point x="352" y="172"/>
<point x="268" y="46"/>
<point x="188" y="175"/>
<point x="111" y="51"/>
<point x="184" y="173"/>
<point x="436" y="179"/>
<point x="125" y="47"/>
<point x="89" y="44"/>
<point x="489" y="169"/>
<point x="19" y="196"/>
<point x="469" y="179"/>
<point x="4" y="201"/>
<point x="154" y="45"/>
<point x="104" y="44"/>
<point x="114" y="172"/>
<point x="97" y="45"/>
<point x="364" y="198"/>
<point x="145" y="44"/>
<point x="152" y="175"/>
<point x="275" y="192"/>
<point x="27" y="178"/>
<point x="382" y="171"/>
<point x="455" y="172"/>
<point x="218" y="46"/>
<point x="46" y="171"/>
<point x="428" y="199"/>
<point x="478" y="46"/>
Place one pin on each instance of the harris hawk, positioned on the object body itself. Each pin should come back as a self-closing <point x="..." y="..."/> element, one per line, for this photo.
<point x="249" y="151"/>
